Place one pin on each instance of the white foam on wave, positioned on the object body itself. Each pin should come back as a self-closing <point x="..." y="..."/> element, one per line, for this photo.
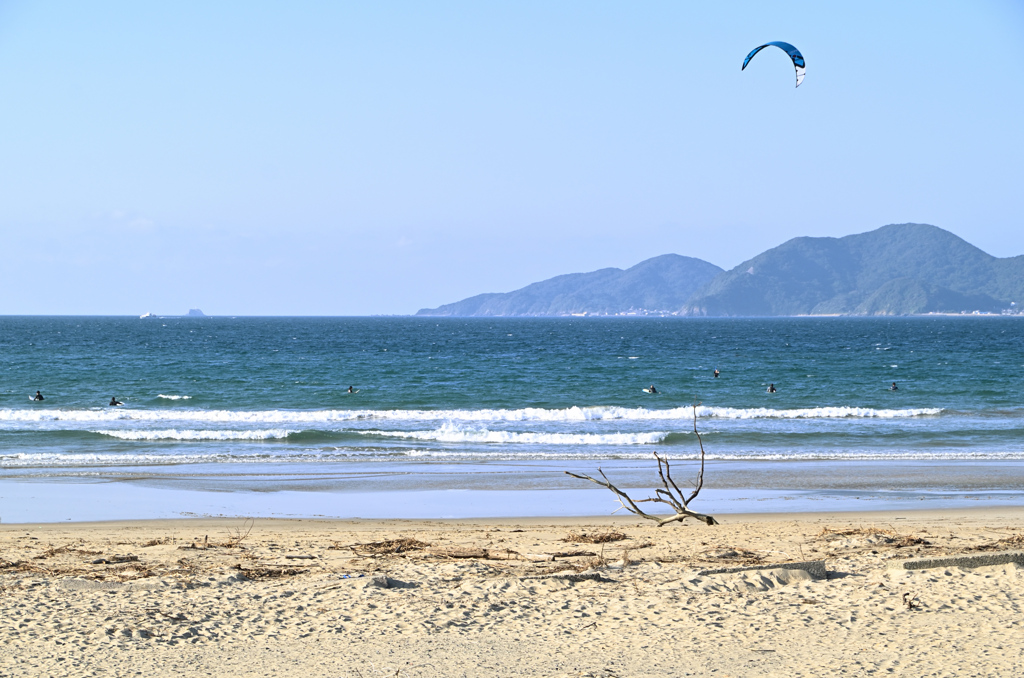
<point x="570" y="414"/>
<point x="815" y="413"/>
<point x="174" y="397"/>
<point x="174" y="434"/>
<point x="454" y="434"/>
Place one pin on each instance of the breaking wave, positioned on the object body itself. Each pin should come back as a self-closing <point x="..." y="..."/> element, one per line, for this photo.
<point x="174" y="434"/>
<point x="453" y="434"/>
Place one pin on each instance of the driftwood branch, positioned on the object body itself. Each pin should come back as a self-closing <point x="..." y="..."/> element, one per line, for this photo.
<point x="488" y="554"/>
<point x="668" y="494"/>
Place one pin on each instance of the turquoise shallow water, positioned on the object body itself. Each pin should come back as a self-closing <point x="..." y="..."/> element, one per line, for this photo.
<point x="260" y="404"/>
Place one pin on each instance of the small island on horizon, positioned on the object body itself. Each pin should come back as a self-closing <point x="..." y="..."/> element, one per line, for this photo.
<point x="192" y="313"/>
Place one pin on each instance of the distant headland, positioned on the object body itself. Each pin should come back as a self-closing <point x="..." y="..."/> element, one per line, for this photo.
<point x="900" y="269"/>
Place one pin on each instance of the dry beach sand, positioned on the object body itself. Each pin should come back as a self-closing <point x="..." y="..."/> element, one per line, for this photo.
<point x="477" y="598"/>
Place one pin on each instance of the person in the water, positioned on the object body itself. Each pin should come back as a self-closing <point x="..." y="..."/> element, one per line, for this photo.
<point x="653" y="390"/>
<point x="115" y="402"/>
<point x="350" y="390"/>
<point x="716" y="373"/>
<point x="771" y="388"/>
<point x="894" y="387"/>
<point x="37" y="396"/>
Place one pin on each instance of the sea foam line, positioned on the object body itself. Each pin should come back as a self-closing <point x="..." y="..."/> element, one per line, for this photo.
<point x="505" y="455"/>
<point x="570" y="414"/>
<point x="174" y="434"/>
<point x="453" y="434"/>
<point x="44" y="460"/>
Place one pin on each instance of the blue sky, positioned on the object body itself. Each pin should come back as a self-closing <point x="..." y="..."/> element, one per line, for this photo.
<point x="362" y="158"/>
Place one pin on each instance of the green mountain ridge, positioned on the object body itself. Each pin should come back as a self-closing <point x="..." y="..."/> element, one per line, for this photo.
<point x="660" y="285"/>
<point x="899" y="269"/>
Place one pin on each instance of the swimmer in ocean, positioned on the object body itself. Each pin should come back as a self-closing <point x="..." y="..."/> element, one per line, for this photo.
<point x="716" y="373"/>
<point x="894" y="387"/>
<point x="350" y="390"/>
<point x="115" y="402"/>
<point x="38" y="396"/>
<point x="771" y="388"/>
<point x="653" y="390"/>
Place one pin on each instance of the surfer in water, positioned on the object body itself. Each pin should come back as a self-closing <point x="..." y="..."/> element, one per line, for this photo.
<point x="37" y="396"/>
<point x="114" y="402"/>
<point x="652" y="389"/>
<point x="350" y="390"/>
<point x="894" y="387"/>
<point x="771" y="388"/>
<point x="716" y="373"/>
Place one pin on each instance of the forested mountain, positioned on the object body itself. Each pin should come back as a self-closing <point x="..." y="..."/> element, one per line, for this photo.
<point x="900" y="269"/>
<point x="656" y="286"/>
<point x="894" y="270"/>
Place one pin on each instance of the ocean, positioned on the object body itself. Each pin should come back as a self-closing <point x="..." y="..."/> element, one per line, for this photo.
<point x="467" y="417"/>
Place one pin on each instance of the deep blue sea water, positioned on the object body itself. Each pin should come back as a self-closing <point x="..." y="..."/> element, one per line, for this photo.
<point x="261" y="404"/>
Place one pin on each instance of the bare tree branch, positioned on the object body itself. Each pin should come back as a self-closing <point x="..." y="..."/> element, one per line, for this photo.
<point x="669" y="494"/>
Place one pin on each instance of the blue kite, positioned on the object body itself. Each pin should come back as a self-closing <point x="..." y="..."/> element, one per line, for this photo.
<point x="793" y="52"/>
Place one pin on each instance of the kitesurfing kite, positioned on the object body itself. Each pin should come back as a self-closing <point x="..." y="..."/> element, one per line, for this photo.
<point x="793" y="52"/>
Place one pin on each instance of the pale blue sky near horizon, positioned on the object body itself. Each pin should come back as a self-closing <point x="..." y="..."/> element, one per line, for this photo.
<point x="330" y="158"/>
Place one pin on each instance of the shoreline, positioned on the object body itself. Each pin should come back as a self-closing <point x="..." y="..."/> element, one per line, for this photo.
<point x="499" y="490"/>
<point x="915" y="514"/>
<point x="29" y="501"/>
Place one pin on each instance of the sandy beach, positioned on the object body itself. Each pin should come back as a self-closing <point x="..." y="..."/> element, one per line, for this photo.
<point x="602" y="596"/>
